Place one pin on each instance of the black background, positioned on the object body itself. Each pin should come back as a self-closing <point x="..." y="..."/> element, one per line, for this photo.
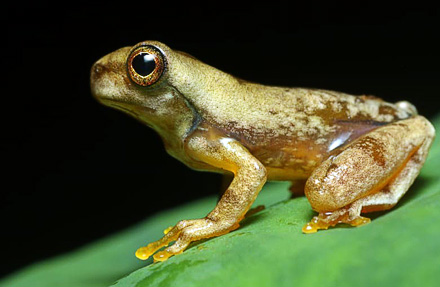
<point x="76" y="171"/>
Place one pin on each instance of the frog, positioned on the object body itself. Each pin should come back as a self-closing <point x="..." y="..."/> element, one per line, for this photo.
<point x="348" y="154"/>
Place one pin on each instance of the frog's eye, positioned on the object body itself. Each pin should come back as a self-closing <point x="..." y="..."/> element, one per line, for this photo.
<point x="145" y="65"/>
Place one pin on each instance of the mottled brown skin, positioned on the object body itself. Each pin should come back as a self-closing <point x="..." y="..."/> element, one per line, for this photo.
<point x="351" y="154"/>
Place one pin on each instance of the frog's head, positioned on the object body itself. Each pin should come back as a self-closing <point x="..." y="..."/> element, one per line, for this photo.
<point x="138" y="80"/>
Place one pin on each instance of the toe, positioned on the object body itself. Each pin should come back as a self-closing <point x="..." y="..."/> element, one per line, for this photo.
<point x="143" y="253"/>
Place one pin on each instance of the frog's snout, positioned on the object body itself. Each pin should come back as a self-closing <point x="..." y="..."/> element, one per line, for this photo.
<point x="102" y="74"/>
<point x="96" y="75"/>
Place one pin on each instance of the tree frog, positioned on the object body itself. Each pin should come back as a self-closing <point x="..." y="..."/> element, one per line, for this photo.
<point x="348" y="154"/>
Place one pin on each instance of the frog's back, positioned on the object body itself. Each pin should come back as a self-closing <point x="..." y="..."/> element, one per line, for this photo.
<point x="298" y="112"/>
<point x="297" y="128"/>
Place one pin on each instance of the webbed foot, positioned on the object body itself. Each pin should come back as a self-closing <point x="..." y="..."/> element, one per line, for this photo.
<point x="185" y="232"/>
<point x="327" y="219"/>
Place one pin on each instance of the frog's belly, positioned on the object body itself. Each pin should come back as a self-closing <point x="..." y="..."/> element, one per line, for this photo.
<point x="281" y="174"/>
<point x="296" y="158"/>
<point x="290" y="162"/>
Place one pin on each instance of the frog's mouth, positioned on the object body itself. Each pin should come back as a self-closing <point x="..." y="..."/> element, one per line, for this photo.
<point x="131" y="109"/>
<point x="137" y="112"/>
<point x="119" y="106"/>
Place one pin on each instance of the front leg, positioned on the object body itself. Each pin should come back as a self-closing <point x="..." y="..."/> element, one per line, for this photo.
<point x="249" y="178"/>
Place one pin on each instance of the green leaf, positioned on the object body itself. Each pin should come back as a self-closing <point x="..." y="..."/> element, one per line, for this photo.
<point x="398" y="248"/>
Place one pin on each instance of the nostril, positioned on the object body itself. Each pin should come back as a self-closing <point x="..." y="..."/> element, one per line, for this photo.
<point x="98" y="69"/>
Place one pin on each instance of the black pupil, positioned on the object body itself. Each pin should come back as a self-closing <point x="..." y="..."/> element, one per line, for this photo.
<point x="143" y="64"/>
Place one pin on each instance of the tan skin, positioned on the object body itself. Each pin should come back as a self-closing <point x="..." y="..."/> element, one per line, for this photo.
<point x="348" y="154"/>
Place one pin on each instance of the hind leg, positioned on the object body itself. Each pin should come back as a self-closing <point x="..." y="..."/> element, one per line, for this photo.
<point x="393" y="192"/>
<point x="371" y="174"/>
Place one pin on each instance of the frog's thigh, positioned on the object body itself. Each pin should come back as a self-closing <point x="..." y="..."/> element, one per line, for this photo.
<point x="372" y="173"/>
<point x="396" y="188"/>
